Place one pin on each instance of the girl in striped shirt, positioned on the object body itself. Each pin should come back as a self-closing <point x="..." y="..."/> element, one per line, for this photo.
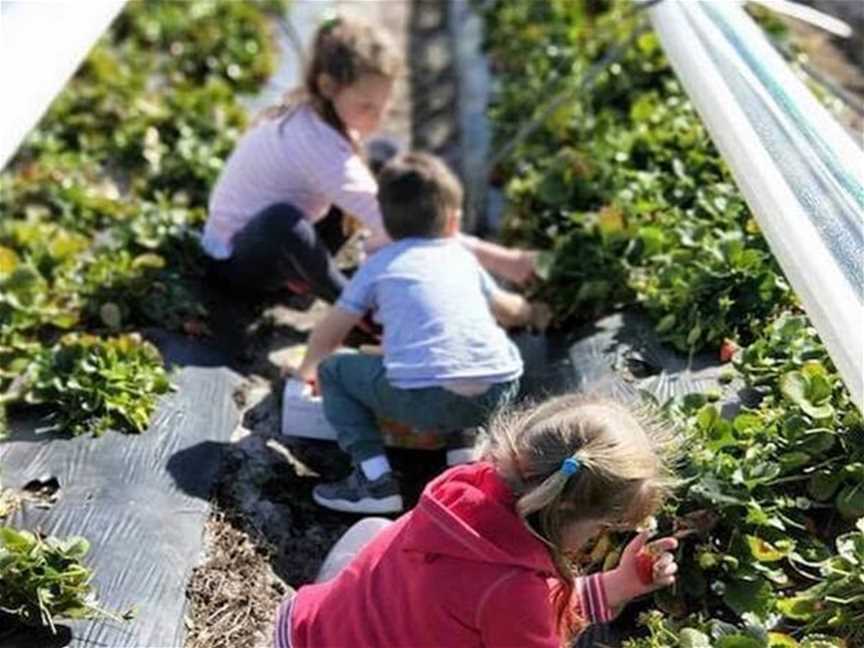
<point x="271" y="217"/>
<point x="491" y="555"/>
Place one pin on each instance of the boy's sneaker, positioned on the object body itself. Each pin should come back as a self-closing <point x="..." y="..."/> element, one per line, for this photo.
<point x="461" y="447"/>
<point x="357" y="494"/>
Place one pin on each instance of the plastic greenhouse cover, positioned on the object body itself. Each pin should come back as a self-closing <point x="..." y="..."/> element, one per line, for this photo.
<point x="801" y="174"/>
<point x="42" y="43"/>
<point x="141" y="501"/>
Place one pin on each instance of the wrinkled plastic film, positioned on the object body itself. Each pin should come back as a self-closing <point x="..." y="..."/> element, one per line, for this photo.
<point x="142" y="501"/>
<point x="799" y="171"/>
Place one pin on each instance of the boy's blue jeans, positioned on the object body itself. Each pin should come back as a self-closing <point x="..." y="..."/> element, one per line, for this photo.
<point x="356" y="392"/>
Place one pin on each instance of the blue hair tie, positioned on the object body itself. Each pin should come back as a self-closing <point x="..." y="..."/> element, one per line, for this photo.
<point x="570" y="466"/>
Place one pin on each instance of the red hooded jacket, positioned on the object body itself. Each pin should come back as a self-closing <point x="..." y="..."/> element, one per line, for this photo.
<point x="460" y="570"/>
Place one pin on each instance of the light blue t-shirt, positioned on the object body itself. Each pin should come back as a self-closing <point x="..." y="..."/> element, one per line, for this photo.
<point x="432" y="298"/>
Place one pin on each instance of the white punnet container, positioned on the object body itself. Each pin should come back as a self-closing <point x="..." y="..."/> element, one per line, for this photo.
<point x="303" y="413"/>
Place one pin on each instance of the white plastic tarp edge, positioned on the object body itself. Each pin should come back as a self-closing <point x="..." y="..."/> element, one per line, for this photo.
<point x="42" y="43"/>
<point x="827" y="296"/>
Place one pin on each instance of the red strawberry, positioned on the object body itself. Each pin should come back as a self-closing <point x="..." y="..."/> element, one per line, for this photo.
<point x="727" y="350"/>
<point x="645" y="566"/>
<point x="314" y="385"/>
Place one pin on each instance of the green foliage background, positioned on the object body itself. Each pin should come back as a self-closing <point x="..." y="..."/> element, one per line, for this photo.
<point x="99" y="208"/>
<point x="623" y="184"/>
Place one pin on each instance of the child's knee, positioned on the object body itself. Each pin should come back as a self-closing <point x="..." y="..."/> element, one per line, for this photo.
<point x="328" y="370"/>
<point x="282" y="219"/>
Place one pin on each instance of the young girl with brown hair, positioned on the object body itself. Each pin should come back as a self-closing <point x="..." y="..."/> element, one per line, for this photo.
<point x="268" y="226"/>
<point x="491" y="555"/>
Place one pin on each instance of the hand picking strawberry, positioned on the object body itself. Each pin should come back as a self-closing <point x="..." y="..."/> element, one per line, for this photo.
<point x="644" y="567"/>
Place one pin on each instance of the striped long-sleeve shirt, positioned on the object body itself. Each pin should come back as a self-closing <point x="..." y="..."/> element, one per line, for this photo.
<point x="297" y="159"/>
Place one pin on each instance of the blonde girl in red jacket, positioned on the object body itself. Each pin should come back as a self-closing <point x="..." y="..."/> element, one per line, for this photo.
<point x="491" y="555"/>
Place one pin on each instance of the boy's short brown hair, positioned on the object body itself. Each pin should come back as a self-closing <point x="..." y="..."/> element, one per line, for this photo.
<point x="416" y="191"/>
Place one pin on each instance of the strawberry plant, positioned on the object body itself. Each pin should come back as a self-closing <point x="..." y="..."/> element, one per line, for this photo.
<point x="628" y="170"/>
<point x="624" y="186"/>
<point x="95" y="384"/>
<point x="43" y="578"/>
<point x="696" y="632"/>
<point x="193" y="43"/>
<point x="101" y="206"/>
<point x="835" y="602"/>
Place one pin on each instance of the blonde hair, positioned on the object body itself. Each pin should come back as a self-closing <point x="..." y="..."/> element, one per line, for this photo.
<point x="623" y="456"/>
<point x="345" y="50"/>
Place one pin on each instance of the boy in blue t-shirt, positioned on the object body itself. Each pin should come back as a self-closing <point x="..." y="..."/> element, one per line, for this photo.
<point x="446" y="363"/>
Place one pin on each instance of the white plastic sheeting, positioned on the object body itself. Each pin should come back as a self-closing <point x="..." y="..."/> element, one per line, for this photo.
<point x="42" y="42"/>
<point x="801" y="174"/>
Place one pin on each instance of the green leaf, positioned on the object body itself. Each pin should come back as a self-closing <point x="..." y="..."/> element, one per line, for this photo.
<point x="850" y="502"/>
<point x="796" y="386"/>
<point x="707" y="418"/>
<point x="749" y="596"/>
<point x="8" y="261"/>
<point x="694" y="335"/>
<point x="781" y="640"/>
<point x="818" y="641"/>
<point x="544" y="265"/>
<point x="17" y="541"/>
<point x="149" y="261"/>
<point x="764" y="551"/>
<point x="823" y="484"/>
<point x="799" y="608"/>
<point x="77" y="547"/>
<point x="552" y="190"/>
<point x="747" y="423"/>
<point x="817" y="443"/>
<point x="792" y="461"/>
<point x="691" y="638"/>
<point x="665" y="324"/>
<point x="653" y="240"/>
<point x="739" y="641"/>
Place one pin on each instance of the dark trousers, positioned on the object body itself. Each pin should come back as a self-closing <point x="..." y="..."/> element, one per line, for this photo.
<point x="279" y="245"/>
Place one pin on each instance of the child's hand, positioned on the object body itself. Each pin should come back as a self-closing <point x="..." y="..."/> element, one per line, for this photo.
<point x="296" y="373"/>
<point x="292" y="374"/>
<point x="644" y="567"/>
<point x="523" y="268"/>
